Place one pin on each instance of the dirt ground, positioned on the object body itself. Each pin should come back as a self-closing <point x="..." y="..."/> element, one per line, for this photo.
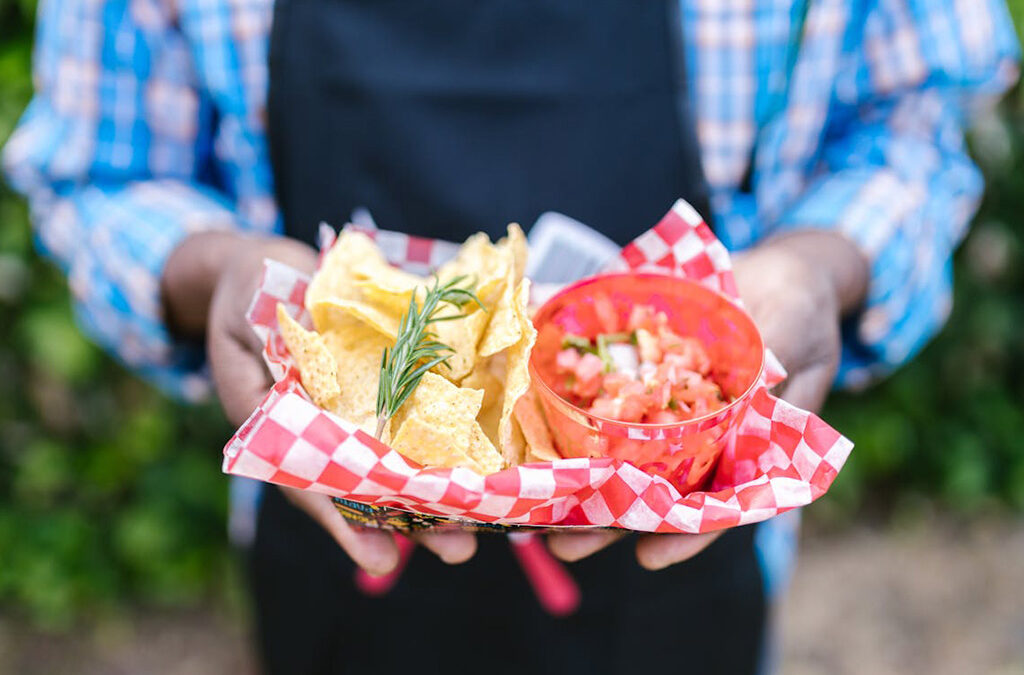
<point x="924" y="600"/>
<point x="929" y="599"/>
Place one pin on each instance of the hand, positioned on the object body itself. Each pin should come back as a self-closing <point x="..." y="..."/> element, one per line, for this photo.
<point x="797" y="288"/>
<point x="208" y="283"/>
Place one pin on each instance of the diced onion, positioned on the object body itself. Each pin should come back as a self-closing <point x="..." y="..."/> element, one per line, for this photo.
<point x="625" y="358"/>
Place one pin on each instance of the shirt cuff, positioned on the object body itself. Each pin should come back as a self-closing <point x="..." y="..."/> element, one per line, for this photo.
<point x="895" y="223"/>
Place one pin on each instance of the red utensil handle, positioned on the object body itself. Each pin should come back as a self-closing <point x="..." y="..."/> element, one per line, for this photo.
<point x="554" y="587"/>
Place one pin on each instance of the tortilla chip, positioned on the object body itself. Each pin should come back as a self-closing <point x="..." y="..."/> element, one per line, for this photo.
<point x="517" y="376"/>
<point x="335" y="278"/>
<point x="386" y="299"/>
<point x="357" y="348"/>
<point x="515" y="443"/>
<point x="483" y="452"/>
<point x="429" y="445"/>
<point x="437" y="427"/>
<point x="386" y="276"/>
<point x="483" y="377"/>
<point x="483" y="263"/>
<point x="438" y="400"/>
<point x="318" y="368"/>
<point x="503" y="329"/>
<point x="489" y="420"/>
<point x="357" y="300"/>
<point x="489" y="376"/>
<point x="532" y="457"/>
<point x="326" y="313"/>
<point x="515" y="241"/>
<point x="540" y="447"/>
<point x="462" y="335"/>
<point x="387" y="287"/>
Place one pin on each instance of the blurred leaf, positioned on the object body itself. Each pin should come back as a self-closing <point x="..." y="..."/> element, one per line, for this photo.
<point x="43" y="471"/>
<point x="55" y="345"/>
<point x="1015" y="487"/>
<point x="145" y="535"/>
<point x="966" y="483"/>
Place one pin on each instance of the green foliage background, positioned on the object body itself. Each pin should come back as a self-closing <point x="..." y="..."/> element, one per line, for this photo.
<point x="110" y="492"/>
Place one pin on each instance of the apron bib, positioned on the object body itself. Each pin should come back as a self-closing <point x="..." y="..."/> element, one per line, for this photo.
<point x="450" y="117"/>
<point x="446" y="118"/>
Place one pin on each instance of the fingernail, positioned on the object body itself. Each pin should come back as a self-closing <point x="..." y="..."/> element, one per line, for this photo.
<point x="650" y="560"/>
<point x="456" y="557"/>
<point x="383" y="566"/>
<point x="379" y="562"/>
<point x="651" y="565"/>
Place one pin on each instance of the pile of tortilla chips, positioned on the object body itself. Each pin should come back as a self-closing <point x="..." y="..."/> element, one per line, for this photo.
<point x="459" y="415"/>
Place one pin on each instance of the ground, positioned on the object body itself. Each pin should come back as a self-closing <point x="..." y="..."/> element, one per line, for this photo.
<point x="939" y="598"/>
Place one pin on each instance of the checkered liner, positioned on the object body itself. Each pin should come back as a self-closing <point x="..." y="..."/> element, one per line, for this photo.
<point x="778" y="457"/>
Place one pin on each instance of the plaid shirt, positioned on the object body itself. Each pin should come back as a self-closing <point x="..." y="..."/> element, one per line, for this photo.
<point x="149" y="124"/>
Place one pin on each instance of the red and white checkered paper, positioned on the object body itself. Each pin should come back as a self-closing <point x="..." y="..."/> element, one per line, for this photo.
<point x="777" y="458"/>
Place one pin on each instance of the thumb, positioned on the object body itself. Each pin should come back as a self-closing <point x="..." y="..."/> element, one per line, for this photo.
<point x="239" y="375"/>
<point x="809" y="388"/>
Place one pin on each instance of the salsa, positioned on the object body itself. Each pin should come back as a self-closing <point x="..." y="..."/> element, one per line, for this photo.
<point x="646" y="374"/>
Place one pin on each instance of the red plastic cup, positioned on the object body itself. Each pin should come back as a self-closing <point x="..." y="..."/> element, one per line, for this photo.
<point x="684" y="453"/>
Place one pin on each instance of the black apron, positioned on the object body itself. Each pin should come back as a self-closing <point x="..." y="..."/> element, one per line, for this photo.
<point x="445" y="118"/>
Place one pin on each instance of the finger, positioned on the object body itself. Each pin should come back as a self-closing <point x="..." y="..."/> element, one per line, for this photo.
<point x="573" y="546"/>
<point x="452" y="547"/>
<point x="239" y="375"/>
<point x="373" y="550"/>
<point x="658" y="551"/>
<point x="808" y="388"/>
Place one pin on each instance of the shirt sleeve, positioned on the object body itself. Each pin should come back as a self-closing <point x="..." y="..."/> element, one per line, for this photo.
<point x="108" y="153"/>
<point x="895" y="176"/>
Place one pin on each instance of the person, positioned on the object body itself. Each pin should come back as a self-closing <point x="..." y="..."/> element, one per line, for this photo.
<point x="172" y="146"/>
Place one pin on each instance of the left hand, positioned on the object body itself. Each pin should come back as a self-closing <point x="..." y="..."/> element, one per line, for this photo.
<point x="208" y="283"/>
<point x="797" y="288"/>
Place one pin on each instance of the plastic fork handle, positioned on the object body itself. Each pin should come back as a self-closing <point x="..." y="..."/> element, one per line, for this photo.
<point x="554" y="587"/>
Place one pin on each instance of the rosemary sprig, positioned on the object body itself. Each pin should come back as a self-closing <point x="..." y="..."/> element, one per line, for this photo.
<point x="417" y="349"/>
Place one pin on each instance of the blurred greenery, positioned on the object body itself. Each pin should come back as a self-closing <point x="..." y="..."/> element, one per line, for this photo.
<point x="109" y="491"/>
<point x="947" y="429"/>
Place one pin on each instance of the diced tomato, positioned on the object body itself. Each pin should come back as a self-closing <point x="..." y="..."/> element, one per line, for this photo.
<point x="566" y="360"/>
<point x="674" y="370"/>
<point x="662" y="395"/>
<point x="614" y="382"/>
<point x="605" y="406"/>
<point x="647" y="346"/>
<point x="607" y="317"/>
<point x="642" y="317"/>
<point x="689" y="350"/>
<point x="691" y="391"/>
<point x="621" y="408"/>
<point x="588" y="376"/>
<point x="665" y="417"/>
<point x="671" y="384"/>
<point x="633" y="409"/>
<point x="634" y="389"/>
<point x="705" y="405"/>
<point x="589" y="367"/>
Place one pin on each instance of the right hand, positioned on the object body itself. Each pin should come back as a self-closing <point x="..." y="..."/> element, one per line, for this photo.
<point x="208" y="283"/>
<point x="797" y="287"/>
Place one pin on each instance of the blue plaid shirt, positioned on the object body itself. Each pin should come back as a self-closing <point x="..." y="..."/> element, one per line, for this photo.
<point x="148" y="124"/>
